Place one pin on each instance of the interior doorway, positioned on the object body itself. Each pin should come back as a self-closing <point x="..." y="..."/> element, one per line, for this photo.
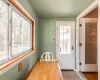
<point x="88" y="56"/>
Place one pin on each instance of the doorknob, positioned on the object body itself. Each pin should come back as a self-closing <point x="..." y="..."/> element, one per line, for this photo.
<point x="72" y="48"/>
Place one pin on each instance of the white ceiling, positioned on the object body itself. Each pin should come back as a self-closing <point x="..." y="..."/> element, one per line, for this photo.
<point x="59" y="8"/>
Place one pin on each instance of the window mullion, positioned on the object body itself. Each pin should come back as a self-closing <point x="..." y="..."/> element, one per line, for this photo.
<point x="31" y="35"/>
<point x="10" y="33"/>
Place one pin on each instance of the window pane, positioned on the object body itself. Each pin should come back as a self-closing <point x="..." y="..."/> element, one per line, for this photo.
<point x="21" y="34"/>
<point x="91" y="43"/>
<point x="65" y="39"/>
<point x="3" y="31"/>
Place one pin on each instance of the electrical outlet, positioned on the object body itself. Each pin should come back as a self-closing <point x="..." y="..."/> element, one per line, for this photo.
<point x="19" y="66"/>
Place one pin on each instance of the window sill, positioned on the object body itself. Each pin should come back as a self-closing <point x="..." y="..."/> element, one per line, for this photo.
<point x="15" y="61"/>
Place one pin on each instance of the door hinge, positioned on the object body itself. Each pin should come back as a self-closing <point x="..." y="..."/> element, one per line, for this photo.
<point x="80" y="44"/>
<point x="80" y="25"/>
<point x="80" y="63"/>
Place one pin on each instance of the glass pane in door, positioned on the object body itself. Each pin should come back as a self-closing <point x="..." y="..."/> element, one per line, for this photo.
<point x="65" y="39"/>
<point x="91" y="43"/>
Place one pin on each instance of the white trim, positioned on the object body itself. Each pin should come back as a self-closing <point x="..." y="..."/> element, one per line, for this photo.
<point x="89" y="9"/>
<point x="57" y="42"/>
<point x="34" y="35"/>
<point x="80" y="75"/>
<point x="98" y="39"/>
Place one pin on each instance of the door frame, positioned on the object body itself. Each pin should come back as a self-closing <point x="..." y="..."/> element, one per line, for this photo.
<point x="57" y="50"/>
<point x="94" y="5"/>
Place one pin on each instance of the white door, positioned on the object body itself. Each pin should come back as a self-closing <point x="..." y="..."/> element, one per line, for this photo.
<point x="88" y="47"/>
<point x="66" y="44"/>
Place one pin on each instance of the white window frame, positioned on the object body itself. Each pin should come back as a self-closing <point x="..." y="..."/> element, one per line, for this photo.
<point x="10" y="8"/>
<point x="8" y="33"/>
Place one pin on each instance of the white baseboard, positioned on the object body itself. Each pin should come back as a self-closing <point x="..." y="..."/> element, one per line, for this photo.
<point x="80" y="75"/>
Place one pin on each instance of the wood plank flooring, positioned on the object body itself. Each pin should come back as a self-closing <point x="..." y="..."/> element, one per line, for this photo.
<point x="70" y="75"/>
<point x="91" y="75"/>
<point x="45" y="71"/>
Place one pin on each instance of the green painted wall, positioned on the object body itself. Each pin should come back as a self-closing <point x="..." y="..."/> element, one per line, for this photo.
<point x="13" y="73"/>
<point x="47" y="31"/>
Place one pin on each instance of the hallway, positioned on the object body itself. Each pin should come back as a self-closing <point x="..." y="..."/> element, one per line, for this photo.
<point x="28" y="29"/>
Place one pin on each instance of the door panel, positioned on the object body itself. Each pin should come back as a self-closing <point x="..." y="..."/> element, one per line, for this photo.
<point x="88" y="50"/>
<point x="66" y="44"/>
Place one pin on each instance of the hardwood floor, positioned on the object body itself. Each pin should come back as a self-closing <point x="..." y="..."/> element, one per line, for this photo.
<point x="91" y="75"/>
<point x="70" y="75"/>
<point x="50" y="71"/>
<point x="45" y="71"/>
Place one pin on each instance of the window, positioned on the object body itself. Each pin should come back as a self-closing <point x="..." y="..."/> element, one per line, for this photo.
<point x="3" y="31"/>
<point x="15" y="32"/>
<point x="65" y="39"/>
<point x="21" y="29"/>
